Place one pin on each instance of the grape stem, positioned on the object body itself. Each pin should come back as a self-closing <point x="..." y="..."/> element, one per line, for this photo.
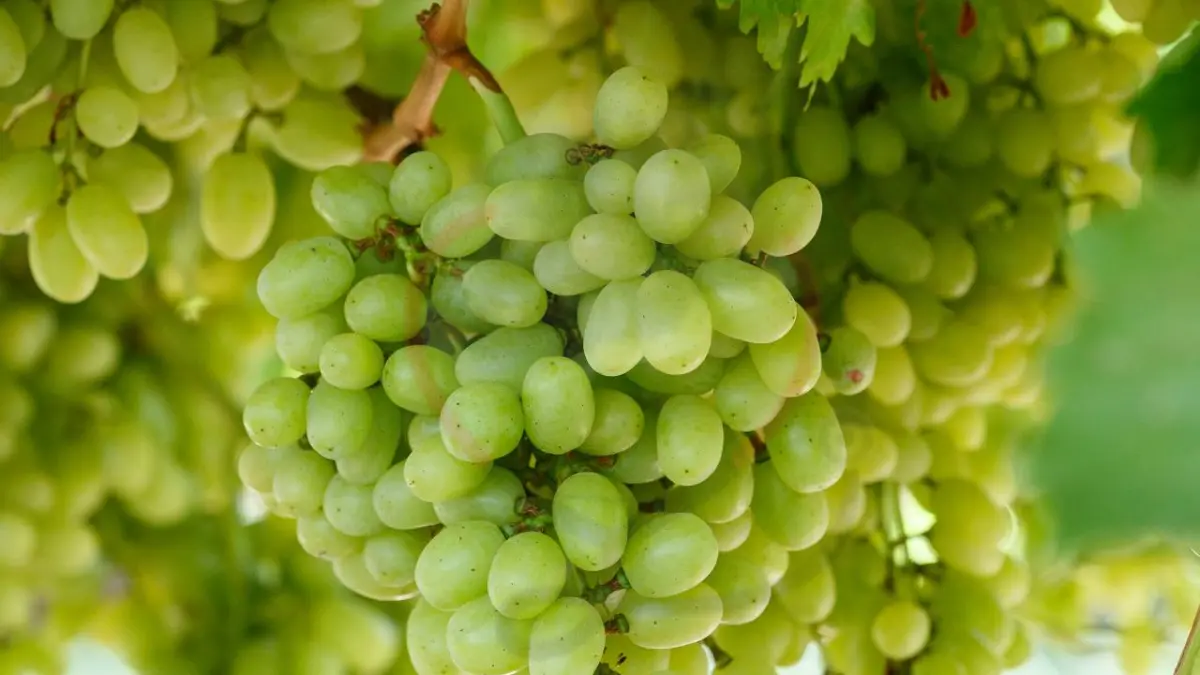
<point x="501" y="110"/>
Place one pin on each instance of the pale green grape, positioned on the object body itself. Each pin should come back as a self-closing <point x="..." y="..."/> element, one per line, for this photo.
<point x="786" y="217"/>
<point x="894" y="378"/>
<point x="727" y="228"/>
<point x="690" y="438"/>
<point x="505" y="355"/>
<point x="630" y="106"/>
<point x="725" y="347"/>
<point x="520" y="253"/>
<point x="793" y="520"/>
<point x="1025" y="142"/>
<point x="612" y="246"/>
<point x="432" y="473"/>
<point x="871" y="453"/>
<point x="806" y="444"/>
<point x="566" y="638"/>
<point x="30" y="20"/>
<point x="299" y="341"/>
<point x="620" y="652"/>
<point x="700" y="381"/>
<point x="396" y="505"/>
<point x="878" y="312"/>
<point x="107" y="231"/>
<point x="942" y="116"/>
<point x="299" y="483"/>
<point x="526" y="576"/>
<point x="808" y="590"/>
<point x="305" y="277"/>
<point x="20" y="539"/>
<point x="669" y="554"/>
<point x="386" y="308"/>
<point x="455" y="225"/>
<point x="891" y="247"/>
<point x="331" y="71"/>
<point x="725" y="495"/>
<point x="350" y="201"/>
<point x="55" y="262"/>
<point x="365" y="636"/>
<point x="31" y="130"/>
<point x="315" y="26"/>
<point x="1021" y="255"/>
<point x="80" y="19"/>
<point x="425" y="638"/>
<point x="639" y="464"/>
<point x="556" y="270"/>
<point x="742" y="587"/>
<point x="256" y="466"/>
<point x="320" y="539"/>
<point x="847" y="502"/>
<point x="237" y="205"/>
<point x="671" y="196"/>
<point x="275" y="413"/>
<point x="12" y="50"/>
<point x="30" y="182"/>
<point x="504" y="294"/>
<point x="453" y="568"/>
<point x="590" y="521"/>
<point x="954" y="265"/>
<point x="338" y="420"/>
<point x="722" y="158"/>
<point x="674" y="322"/>
<point x="608" y="186"/>
<point x="317" y="133"/>
<point x="558" y="404"/>
<point x="273" y="83"/>
<point x="494" y="500"/>
<point x="1068" y="75"/>
<point x="481" y="422"/>
<point x="958" y="356"/>
<point x="366" y="463"/>
<point x="746" y="302"/>
<point x="194" y="26"/>
<point x="419" y="378"/>
<point x="419" y="182"/>
<point x="391" y="558"/>
<point x="791" y="365"/>
<point x="1113" y="181"/>
<point x="879" y="145"/>
<point x="41" y="65"/>
<point x="937" y="663"/>
<point x="670" y="622"/>
<point x="220" y="88"/>
<point x="481" y="640"/>
<point x="610" y="337"/>
<point x="734" y="533"/>
<point x="449" y="301"/>
<point x="351" y="361"/>
<point x="618" y="424"/>
<point x="647" y="41"/>
<point x="167" y="109"/>
<point x="539" y="209"/>
<point x="534" y="156"/>
<point x="145" y="49"/>
<point x="971" y="143"/>
<point x="849" y="361"/>
<point x="926" y="313"/>
<point x="821" y="146"/>
<point x="242" y="12"/>
<point x="142" y="177"/>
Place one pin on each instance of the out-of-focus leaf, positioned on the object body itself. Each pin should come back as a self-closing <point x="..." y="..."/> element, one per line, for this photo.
<point x="1168" y="105"/>
<point x="829" y="26"/>
<point x="1120" y="457"/>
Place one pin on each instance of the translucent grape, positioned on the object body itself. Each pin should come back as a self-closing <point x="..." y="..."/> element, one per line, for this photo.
<point x="612" y="246"/>
<point x="350" y="201"/>
<point x="80" y="19"/>
<point x="504" y="294"/>
<point x="505" y="355"/>
<point x="744" y="402"/>
<point x="667" y="623"/>
<point x="419" y="378"/>
<point x="274" y="415"/>
<point x="722" y="159"/>
<point x="58" y="267"/>
<point x="220" y="88"/>
<point x="397" y="506"/>
<point x="317" y="133"/>
<point x="482" y="421"/>
<point x="589" y="519"/>
<point x="351" y="361"/>
<point x="894" y="378"/>
<point x="534" y="156"/>
<point x="958" y="356"/>
<point x="567" y="638"/>
<point x="734" y="533"/>
<point x="107" y="231"/>
<point x="791" y="365"/>
<point x="453" y="568"/>
<point x="305" y="277"/>
<point x="746" y="302"/>
<point x="494" y="500"/>
<point x="1025" y="142"/>
<point x="315" y="26"/>
<point x="273" y="83"/>
<point x="145" y="49"/>
<point x="690" y="438"/>
<point x="618" y="424"/>
<point x="639" y="464"/>
<point x="482" y="640"/>
<point x="299" y="483"/>
<point x="870" y="452"/>
<point x="849" y="361"/>
<point x="786" y="217"/>
<point x="669" y="554"/>
<point x="742" y="587"/>
<point x="425" y="638"/>
<point x="30" y="179"/>
<point x="725" y="494"/>
<point x="608" y="187"/>
<point x="386" y="308"/>
<point x="879" y="146"/>
<point x="1068" y="75"/>
<point x="806" y="444"/>
<point x="556" y="270"/>
<point x="194" y="26"/>
<point x="540" y="209"/>
<point x="237" y="205"/>
<point x="527" y="575"/>
<point x="728" y="228"/>
<point x="954" y="265"/>
<point x="332" y="71"/>
<point x="455" y="225"/>
<point x="137" y="173"/>
<point x="12" y="51"/>
<point x="821" y="146"/>
<point x="106" y="116"/>
<point x="671" y="196"/>
<point x="891" y="247"/>
<point x="630" y="106"/>
<point x="319" y="539"/>
<point x="793" y="520"/>
<point x="349" y="508"/>
<point x="338" y="420"/>
<point x="367" y="463"/>
<point x="558" y="404"/>
<point x="674" y="322"/>
<point x="610" y="339"/>
<point x="878" y="312"/>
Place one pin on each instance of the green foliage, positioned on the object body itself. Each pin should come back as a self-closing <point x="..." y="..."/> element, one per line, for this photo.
<point x="1167" y="107"/>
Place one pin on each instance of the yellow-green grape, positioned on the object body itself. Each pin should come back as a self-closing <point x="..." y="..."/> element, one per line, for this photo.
<point x="318" y="133"/>
<point x="1025" y="142"/>
<point x="727" y="228"/>
<point x="305" y="277"/>
<point x="482" y="640"/>
<point x="630" y="106"/>
<point x="725" y="495"/>
<point x="937" y="663"/>
<point x="107" y="231"/>
<point x="612" y="246"/>
<point x="220" y="88"/>
<point x="145" y="49"/>
<point x="806" y="444"/>
<point x="671" y="196"/>
<point x="567" y="638"/>
<point x="12" y="51"/>
<point x="106" y="116"/>
<point x="668" y="554"/>
<point x="942" y="115"/>
<point x="80" y="19"/>
<point x="954" y="265"/>
<point x="734" y="533"/>
<point x="315" y="26"/>
<point x="558" y="404"/>
<point x="913" y="458"/>
<point x="670" y="622"/>
<point x="1113" y="181"/>
<point x="620" y="652"/>
<point x="31" y="130"/>
<point x="608" y="186"/>
<point x="891" y="247"/>
<point x="722" y="159"/>
<point x="849" y="361"/>
<point x="879" y="146"/>
<point x="870" y="452"/>
<point x="821" y="146"/>
<point x="455" y="224"/>
<point x="674" y="322"/>
<point x="590" y="521"/>
<point x="41" y="65"/>
<point x="901" y="630"/>
<point x="31" y="182"/>
<point x="237" y="205"/>
<point x="971" y="143"/>
<point x="895" y="378"/>
<point x="791" y="519"/>
<point x="618" y="424"/>
<point x="137" y="173"/>
<point x="647" y="41"/>
<point x="743" y="400"/>
<point x="331" y="71"/>
<point x="690" y="439"/>
<point x="878" y="312"/>
<point x="958" y="356"/>
<point x="791" y="365"/>
<point x="273" y="83"/>
<point x="31" y="21"/>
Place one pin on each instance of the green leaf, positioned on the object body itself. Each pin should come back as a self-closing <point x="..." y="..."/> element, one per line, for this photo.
<point x="1120" y="457"/>
<point x="829" y="27"/>
<point x="1168" y="106"/>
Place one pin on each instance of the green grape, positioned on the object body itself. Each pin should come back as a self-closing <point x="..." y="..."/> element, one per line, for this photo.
<point x="425" y="638"/>
<point x="520" y="253"/>
<point x="958" y="356"/>
<point x="80" y="19"/>
<point x="526" y="576"/>
<point x="690" y="437"/>
<point x="386" y="308"/>
<point x="608" y="186"/>
<point x="1113" y="181"/>
<point x="396" y="505"/>
<point x="315" y="26"/>
<point x="338" y="420"/>
<point x="305" y="277"/>
<point x="674" y="322"/>
<point x="556" y="270"/>
<point x="504" y="294"/>
<point x="332" y="71"/>
<point x="350" y="201"/>
<point x="722" y="158"/>
<point x="630" y="106"/>
<point x="913" y="459"/>
<point x="821" y="146"/>
<point x="558" y="405"/>
<point x="734" y="533"/>
<point x="320" y="539"/>
<point x="318" y="133"/>
<point x="742" y="587"/>
<point x="1022" y="255"/>
<point x="534" y="156"/>
<point x="237" y="205"/>
<point x="30" y="182"/>
<point x="728" y="228"/>
<point x="725" y="347"/>
<point x="746" y="302"/>
<point x="806" y="444"/>
<point x="610" y="338"/>
<point x="926" y="313"/>
<point x="505" y="355"/>
<point x="878" y="312"/>
<point x="435" y="475"/>
<point x="725" y="494"/>
<point x="145" y="49"/>
<point x="954" y="265"/>
<point x="942" y="115"/>
<point x="667" y="623"/>
<point x="791" y="365"/>
<point x="891" y="247"/>
<point x="971" y="143"/>
<point x="590" y="521"/>
<point x="455" y="225"/>
<point x="453" y="568"/>
<point x="351" y="361"/>
<point x="700" y="381"/>
<point x="758" y="645"/>
<point x="12" y="50"/>
<point x="901" y="630"/>
<point x="41" y="65"/>
<point x="611" y="247"/>
<point x="937" y="663"/>
<point x="494" y="500"/>
<point x="786" y="217"/>
<point x="364" y="636"/>
<point x="671" y="196"/>
<point x="808" y="590"/>
<point x="299" y="341"/>
<point x="366" y="463"/>
<point x="419" y="378"/>
<point x="273" y="83"/>
<point x="242" y="12"/>
<point x="55" y="262"/>
<point x="20" y="540"/>
<point x="690" y="660"/>
<point x="847" y="502"/>
<point x="879" y="145"/>
<point x="617" y="424"/>
<point x="391" y="558"/>
<point x="639" y="464"/>
<point x="1068" y="75"/>
<point x="566" y="638"/>
<point x="449" y="301"/>
<point x="647" y="41"/>
<point x="1024" y="142"/>
<point x="299" y="483"/>
<point x="107" y="231"/>
<point x="539" y="209"/>
<point x="140" y="175"/>
<point x="421" y="181"/>
<point x="168" y="108"/>
<point x="620" y="652"/>
<point x="256" y="466"/>
<point x="220" y="88"/>
<point x="481" y="422"/>
<point x="194" y="26"/>
<point x="849" y="361"/>
<point x="669" y="554"/>
<point x="275" y="413"/>
<point x="793" y="520"/>
<point x="1011" y="585"/>
<point x="31" y="130"/>
<point x="483" y="641"/>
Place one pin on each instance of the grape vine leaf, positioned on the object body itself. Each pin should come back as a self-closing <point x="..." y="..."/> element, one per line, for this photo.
<point x="1167" y="106"/>
<point x="1120" y="454"/>
<point x="829" y="26"/>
